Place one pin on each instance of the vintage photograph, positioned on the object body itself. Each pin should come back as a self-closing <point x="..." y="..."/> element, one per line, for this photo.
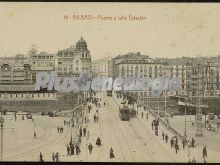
<point x="109" y="82"/>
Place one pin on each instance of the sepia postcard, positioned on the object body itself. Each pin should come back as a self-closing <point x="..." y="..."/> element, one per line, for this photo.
<point x="109" y="82"/>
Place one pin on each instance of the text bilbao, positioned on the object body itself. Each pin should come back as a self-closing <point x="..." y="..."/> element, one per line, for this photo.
<point x="84" y="82"/>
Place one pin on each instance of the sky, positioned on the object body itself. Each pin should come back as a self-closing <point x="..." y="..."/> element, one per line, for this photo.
<point x="169" y="30"/>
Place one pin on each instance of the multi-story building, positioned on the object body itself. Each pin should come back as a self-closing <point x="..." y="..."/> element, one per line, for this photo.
<point x="74" y="60"/>
<point x="211" y="80"/>
<point x="15" y="70"/>
<point x="101" y="67"/>
<point x="129" y="65"/>
<point x="41" y="62"/>
<point x="182" y="71"/>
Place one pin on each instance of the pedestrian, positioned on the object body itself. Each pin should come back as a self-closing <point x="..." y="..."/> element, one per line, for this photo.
<point x="34" y="135"/>
<point x="57" y="157"/>
<point x="77" y="150"/>
<point x="147" y="116"/>
<point x="152" y="124"/>
<point x="84" y="131"/>
<point x="79" y="139"/>
<point x="171" y="142"/>
<point x="72" y="149"/>
<point x="94" y="116"/>
<point x="183" y="143"/>
<point x="142" y="114"/>
<point x="193" y="142"/>
<point x="68" y="150"/>
<point x="98" y="142"/>
<point x="90" y="147"/>
<point x="111" y="153"/>
<point x="23" y="117"/>
<point x="97" y="119"/>
<point x="53" y="157"/>
<point x="156" y="130"/>
<point x="189" y="161"/>
<point x="193" y="160"/>
<point x="85" y="119"/>
<point x="176" y="147"/>
<point x="58" y="129"/>
<point x="176" y="140"/>
<point x="64" y="122"/>
<point x="41" y="157"/>
<point x="204" y="152"/>
<point x="163" y="134"/>
<point x="80" y="132"/>
<point x="166" y="138"/>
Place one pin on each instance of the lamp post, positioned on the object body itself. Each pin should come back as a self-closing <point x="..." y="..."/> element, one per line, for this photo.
<point x="158" y="110"/>
<point x="185" y="135"/>
<point x="1" y="122"/>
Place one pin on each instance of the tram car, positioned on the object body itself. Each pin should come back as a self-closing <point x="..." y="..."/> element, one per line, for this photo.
<point x="109" y="93"/>
<point x="124" y="113"/>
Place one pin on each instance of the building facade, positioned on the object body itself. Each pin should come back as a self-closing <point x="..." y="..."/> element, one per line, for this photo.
<point x="74" y="60"/>
<point x="41" y="62"/>
<point x="15" y="70"/>
<point x="101" y="67"/>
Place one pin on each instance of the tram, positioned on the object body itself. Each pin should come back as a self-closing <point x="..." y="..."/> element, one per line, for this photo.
<point x="124" y="113"/>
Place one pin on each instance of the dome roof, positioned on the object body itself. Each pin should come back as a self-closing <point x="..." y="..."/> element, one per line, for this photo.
<point x="81" y="44"/>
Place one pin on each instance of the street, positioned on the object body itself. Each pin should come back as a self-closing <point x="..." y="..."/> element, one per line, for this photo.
<point x="131" y="141"/>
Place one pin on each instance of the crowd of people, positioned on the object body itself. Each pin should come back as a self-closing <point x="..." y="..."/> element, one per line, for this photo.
<point x="174" y="140"/>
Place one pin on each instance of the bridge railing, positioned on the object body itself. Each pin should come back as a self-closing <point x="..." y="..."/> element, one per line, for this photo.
<point x="165" y="124"/>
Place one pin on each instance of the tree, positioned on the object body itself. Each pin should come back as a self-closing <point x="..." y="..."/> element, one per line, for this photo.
<point x="33" y="50"/>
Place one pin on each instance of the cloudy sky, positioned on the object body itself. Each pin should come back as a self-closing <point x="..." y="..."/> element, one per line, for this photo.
<point x="170" y="30"/>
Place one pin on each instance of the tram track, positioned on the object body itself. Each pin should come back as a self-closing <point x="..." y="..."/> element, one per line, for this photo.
<point x="151" y="137"/>
<point x="122" y="130"/>
<point x="126" y="131"/>
<point x="36" y="148"/>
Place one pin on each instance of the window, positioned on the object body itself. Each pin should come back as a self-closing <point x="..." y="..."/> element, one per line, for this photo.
<point x="22" y="95"/>
<point x="43" y="95"/>
<point x="11" y="95"/>
<point x="16" y="95"/>
<point x="38" y="95"/>
<point x="32" y="95"/>
<point x="59" y="62"/>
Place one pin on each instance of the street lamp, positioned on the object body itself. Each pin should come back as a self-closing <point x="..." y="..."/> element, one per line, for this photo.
<point x="185" y="135"/>
<point x="1" y="121"/>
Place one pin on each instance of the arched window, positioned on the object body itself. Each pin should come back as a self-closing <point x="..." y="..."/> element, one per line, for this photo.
<point x="6" y="70"/>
